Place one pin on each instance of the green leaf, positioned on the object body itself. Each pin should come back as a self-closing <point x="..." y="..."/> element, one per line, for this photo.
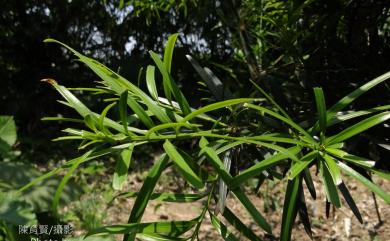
<point x="8" y="129"/>
<point x="15" y="210"/>
<point x="329" y="185"/>
<point x="62" y="119"/>
<point x="303" y="214"/>
<point x="239" y="225"/>
<point x="214" y="159"/>
<point x="261" y="166"/>
<point x="333" y="169"/>
<point x="146" y="192"/>
<point x="151" y="82"/>
<point x="289" y="208"/>
<point x="252" y="210"/>
<point x="67" y="164"/>
<point x="173" y="228"/>
<point x="351" y="203"/>
<point x="222" y="189"/>
<point x="309" y="183"/>
<point x="122" y="167"/>
<point x="116" y="83"/>
<point x="168" y="126"/>
<point x="91" y="122"/>
<point x="102" y="118"/>
<point x="278" y="137"/>
<point x="226" y="177"/>
<point x="170" y="86"/>
<point x="341" y="104"/>
<point x="372" y="186"/>
<point x="182" y="165"/>
<point x="168" y="52"/>
<point x="84" y="111"/>
<point x="213" y="83"/>
<point x="299" y="166"/>
<point x="215" y="106"/>
<point x="348" y="115"/>
<point x="321" y="108"/>
<point x="167" y="197"/>
<point x="66" y="178"/>
<point x="359" y="127"/>
<point x="123" y="110"/>
<point x="360" y="161"/>
<point x="140" y="112"/>
<point x="102" y="238"/>
<point x="222" y="229"/>
<point x="158" y="237"/>
<point x="270" y="99"/>
<point x="284" y="119"/>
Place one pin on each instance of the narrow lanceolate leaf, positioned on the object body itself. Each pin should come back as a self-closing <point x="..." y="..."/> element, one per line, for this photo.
<point x="309" y="183"/>
<point x="168" y="52"/>
<point x="65" y="179"/>
<point x="360" y="161"/>
<point x="222" y="229"/>
<point x="289" y="208"/>
<point x="351" y="203"/>
<point x="182" y="165"/>
<point x="140" y="112"/>
<point x="91" y="122"/>
<point x="222" y="189"/>
<point x="67" y="164"/>
<point x="173" y="228"/>
<point x="214" y="159"/>
<point x="215" y="106"/>
<point x="77" y="105"/>
<point x="61" y="119"/>
<point x="298" y="167"/>
<point x="283" y="119"/>
<point x="213" y="83"/>
<point x="122" y="167"/>
<point x="333" y="169"/>
<point x="167" y="197"/>
<point x="239" y="225"/>
<point x="103" y="117"/>
<point x="321" y="108"/>
<point x="117" y="83"/>
<point x="226" y="177"/>
<point x="123" y="110"/>
<point x="218" y="86"/>
<point x="302" y="211"/>
<point x="146" y="192"/>
<point x="252" y="210"/>
<point x="372" y="186"/>
<point x="151" y="82"/>
<point x="170" y="86"/>
<point x="329" y="185"/>
<point x="341" y="104"/>
<point x="261" y="166"/>
<point x="270" y="99"/>
<point x="158" y="237"/>
<point x="348" y="115"/>
<point x="359" y="127"/>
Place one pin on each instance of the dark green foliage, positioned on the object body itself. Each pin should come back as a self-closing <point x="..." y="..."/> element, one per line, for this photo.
<point x="169" y="123"/>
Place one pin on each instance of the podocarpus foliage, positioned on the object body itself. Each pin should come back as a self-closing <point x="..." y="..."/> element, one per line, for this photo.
<point x="224" y="131"/>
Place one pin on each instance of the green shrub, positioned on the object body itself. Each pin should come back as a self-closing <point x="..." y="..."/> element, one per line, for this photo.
<point x="252" y="135"/>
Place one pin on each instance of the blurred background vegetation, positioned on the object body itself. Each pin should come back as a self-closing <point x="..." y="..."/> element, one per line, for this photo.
<point x="285" y="46"/>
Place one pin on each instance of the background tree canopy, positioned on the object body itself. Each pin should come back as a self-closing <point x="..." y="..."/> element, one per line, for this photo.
<point x="287" y="47"/>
